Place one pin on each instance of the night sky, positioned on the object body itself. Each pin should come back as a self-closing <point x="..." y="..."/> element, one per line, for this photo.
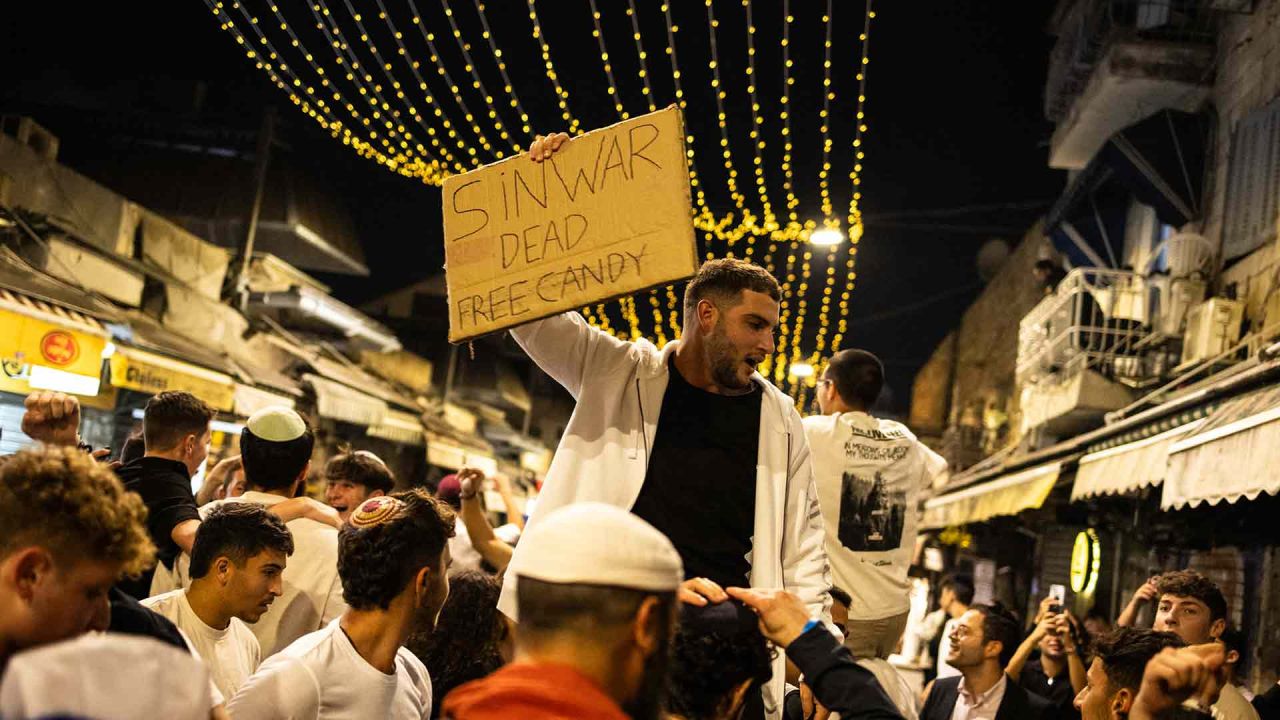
<point x="954" y="115"/>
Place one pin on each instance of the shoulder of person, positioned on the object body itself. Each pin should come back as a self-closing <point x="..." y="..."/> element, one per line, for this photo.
<point x="159" y="603"/>
<point x="414" y="666"/>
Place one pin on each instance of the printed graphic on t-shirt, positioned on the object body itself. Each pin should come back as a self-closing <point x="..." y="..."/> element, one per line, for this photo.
<point x="871" y="515"/>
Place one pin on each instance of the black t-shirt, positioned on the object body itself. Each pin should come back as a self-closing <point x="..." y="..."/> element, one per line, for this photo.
<point x="1056" y="690"/>
<point x="700" y="487"/>
<point x="165" y="488"/>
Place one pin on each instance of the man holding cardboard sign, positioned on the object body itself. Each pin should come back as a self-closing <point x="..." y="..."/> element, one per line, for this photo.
<point x="690" y="437"/>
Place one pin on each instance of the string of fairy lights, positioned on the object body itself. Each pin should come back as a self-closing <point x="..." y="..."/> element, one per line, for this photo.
<point x="425" y="120"/>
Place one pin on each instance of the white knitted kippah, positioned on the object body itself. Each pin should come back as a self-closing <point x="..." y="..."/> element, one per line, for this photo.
<point x="593" y="543"/>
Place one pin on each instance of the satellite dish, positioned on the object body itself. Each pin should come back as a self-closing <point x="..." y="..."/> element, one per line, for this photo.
<point x="991" y="257"/>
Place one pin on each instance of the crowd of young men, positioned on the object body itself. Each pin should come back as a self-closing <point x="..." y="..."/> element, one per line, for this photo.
<point x="679" y="563"/>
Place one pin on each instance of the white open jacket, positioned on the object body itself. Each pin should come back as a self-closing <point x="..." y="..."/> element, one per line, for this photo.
<point x="604" y="455"/>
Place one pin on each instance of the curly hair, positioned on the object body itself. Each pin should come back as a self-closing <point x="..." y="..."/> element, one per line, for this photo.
<point x="465" y="643"/>
<point x="1189" y="583"/>
<point x="63" y="500"/>
<point x="377" y="560"/>
<point x="360" y="467"/>
<point x="710" y="660"/>
<point x="239" y="531"/>
<point x="1125" y="651"/>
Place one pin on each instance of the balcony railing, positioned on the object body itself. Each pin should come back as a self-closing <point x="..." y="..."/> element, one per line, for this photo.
<point x="1090" y="26"/>
<point x="1098" y="319"/>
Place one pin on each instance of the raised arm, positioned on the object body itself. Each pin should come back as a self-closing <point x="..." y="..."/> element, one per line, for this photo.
<point x="493" y="549"/>
<point x="1145" y="594"/>
<point x="837" y="681"/>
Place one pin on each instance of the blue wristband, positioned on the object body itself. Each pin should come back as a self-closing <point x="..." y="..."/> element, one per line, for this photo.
<point x="810" y="625"/>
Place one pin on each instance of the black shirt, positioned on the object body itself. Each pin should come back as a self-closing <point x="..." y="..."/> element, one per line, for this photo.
<point x="1056" y="690"/>
<point x="165" y="488"/>
<point x="700" y="487"/>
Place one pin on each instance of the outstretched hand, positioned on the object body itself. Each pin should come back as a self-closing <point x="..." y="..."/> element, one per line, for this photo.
<point x="1196" y="672"/>
<point x="701" y="592"/>
<point x="782" y="614"/>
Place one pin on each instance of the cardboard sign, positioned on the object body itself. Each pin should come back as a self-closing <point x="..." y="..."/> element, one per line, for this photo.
<point x="608" y="215"/>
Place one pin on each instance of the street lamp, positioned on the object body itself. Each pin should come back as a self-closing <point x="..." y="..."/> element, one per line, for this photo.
<point x="801" y="370"/>
<point x="826" y="237"/>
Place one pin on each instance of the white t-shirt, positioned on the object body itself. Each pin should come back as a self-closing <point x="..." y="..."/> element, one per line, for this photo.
<point x="108" y="676"/>
<point x="869" y="474"/>
<point x="322" y="676"/>
<point x="312" y="594"/>
<point x="232" y="653"/>
<point x="464" y="554"/>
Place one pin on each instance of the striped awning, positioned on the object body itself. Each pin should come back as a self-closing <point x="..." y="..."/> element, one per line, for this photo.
<point x="400" y="427"/>
<point x="1232" y="455"/>
<point x="336" y="401"/>
<point x="1127" y="468"/>
<point x="1006" y="495"/>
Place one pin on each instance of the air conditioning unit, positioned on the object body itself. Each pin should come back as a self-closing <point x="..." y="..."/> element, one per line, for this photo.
<point x="1213" y="327"/>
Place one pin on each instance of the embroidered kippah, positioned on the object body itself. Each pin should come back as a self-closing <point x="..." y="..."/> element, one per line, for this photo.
<point x="376" y="511"/>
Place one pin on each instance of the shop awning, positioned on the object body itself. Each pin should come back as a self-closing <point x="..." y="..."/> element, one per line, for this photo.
<point x="445" y="452"/>
<point x="37" y="333"/>
<point x="355" y="377"/>
<point x="136" y="369"/>
<point x="400" y="427"/>
<point x="1007" y="495"/>
<point x="1233" y="454"/>
<point x="337" y="401"/>
<point x="249" y="399"/>
<point x="1126" y="468"/>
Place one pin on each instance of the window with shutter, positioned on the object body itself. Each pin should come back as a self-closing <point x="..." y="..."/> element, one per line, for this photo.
<point x="1253" y="182"/>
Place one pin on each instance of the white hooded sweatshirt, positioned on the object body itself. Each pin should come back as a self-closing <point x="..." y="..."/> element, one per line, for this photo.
<point x="604" y="455"/>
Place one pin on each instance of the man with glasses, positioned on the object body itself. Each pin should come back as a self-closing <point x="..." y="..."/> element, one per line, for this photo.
<point x="869" y="474"/>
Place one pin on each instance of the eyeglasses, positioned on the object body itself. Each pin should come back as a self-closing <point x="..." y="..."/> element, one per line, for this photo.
<point x="825" y="381"/>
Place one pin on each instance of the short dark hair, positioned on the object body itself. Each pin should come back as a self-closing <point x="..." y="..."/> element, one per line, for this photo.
<point x="1189" y="583"/>
<point x="962" y="586"/>
<point x="1233" y="638"/>
<point x="173" y="415"/>
<point x="465" y="643"/>
<point x="275" y="465"/>
<point x="722" y="281"/>
<point x="361" y="468"/>
<point x="239" y="531"/>
<point x="134" y="447"/>
<point x="547" y="607"/>
<point x="1125" y="652"/>
<point x="840" y="596"/>
<point x="709" y="661"/>
<point x="999" y="624"/>
<point x="857" y="375"/>
<point x="376" y="561"/>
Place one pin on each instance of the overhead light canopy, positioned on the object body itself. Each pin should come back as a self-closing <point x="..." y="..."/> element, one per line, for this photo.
<point x="826" y="237"/>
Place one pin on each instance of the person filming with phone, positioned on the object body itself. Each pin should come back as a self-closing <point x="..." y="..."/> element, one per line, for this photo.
<point x="1059" y="674"/>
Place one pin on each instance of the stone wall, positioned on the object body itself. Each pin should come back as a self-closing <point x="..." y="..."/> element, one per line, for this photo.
<point x="966" y="391"/>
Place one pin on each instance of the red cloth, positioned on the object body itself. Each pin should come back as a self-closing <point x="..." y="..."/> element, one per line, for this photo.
<point x="531" y="691"/>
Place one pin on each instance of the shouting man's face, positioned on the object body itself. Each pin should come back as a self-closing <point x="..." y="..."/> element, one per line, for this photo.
<point x="740" y="338"/>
